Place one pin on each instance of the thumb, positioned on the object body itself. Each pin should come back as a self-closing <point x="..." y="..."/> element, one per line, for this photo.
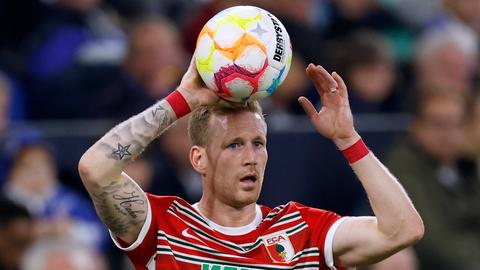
<point x="307" y="107"/>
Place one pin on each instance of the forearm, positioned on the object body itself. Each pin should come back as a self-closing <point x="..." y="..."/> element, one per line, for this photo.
<point x="396" y="216"/>
<point x="106" y="159"/>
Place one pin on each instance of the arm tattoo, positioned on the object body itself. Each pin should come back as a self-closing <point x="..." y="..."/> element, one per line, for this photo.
<point x="119" y="202"/>
<point x="121" y="206"/>
<point x="121" y="152"/>
<point x="128" y="140"/>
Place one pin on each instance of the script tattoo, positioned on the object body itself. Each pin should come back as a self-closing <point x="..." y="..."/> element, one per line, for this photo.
<point x="121" y="206"/>
<point x="129" y="199"/>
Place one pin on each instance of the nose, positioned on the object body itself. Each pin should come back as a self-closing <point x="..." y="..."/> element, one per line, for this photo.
<point x="249" y="155"/>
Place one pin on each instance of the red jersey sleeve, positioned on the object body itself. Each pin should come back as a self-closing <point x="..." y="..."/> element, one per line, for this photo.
<point x="142" y="252"/>
<point x="323" y="225"/>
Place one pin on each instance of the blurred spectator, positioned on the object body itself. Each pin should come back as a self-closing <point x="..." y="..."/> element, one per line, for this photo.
<point x="465" y="11"/>
<point x="366" y="61"/>
<point x="4" y="105"/>
<point x="154" y="58"/>
<point x="57" y="254"/>
<point x="417" y="13"/>
<point x="442" y="183"/>
<point x="32" y="182"/>
<point x="151" y="70"/>
<point x="346" y="16"/>
<point x="4" y="122"/>
<point x="446" y="56"/>
<point x="472" y="144"/>
<point x="16" y="234"/>
<point x="72" y="53"/>
<point x="72" y="32"/>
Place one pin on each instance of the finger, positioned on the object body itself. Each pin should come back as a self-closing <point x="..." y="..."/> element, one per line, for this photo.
<point x="342" y="87"/>
<point x="331" y="83"/>
<point x="321" y="79"/>
<point x="307" y="107"/>
<point x="192" y="67"/>
<point x="315" y="79"/>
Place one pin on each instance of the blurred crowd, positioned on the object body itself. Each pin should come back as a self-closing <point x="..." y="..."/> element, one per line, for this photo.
<point x="110" y="59"/>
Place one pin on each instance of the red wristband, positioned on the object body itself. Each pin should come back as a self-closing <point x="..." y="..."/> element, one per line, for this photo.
<point x="355" y="152"/>
<point x="178" y="103"/>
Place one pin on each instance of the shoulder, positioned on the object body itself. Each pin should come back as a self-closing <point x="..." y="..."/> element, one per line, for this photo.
<point x="297" y="210"/>
<point x="313" y="216"/>
<point x="163" y="203"/>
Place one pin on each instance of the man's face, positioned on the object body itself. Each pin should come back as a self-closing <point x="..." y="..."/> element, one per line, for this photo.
<point x="34" y="171"/>
<point x="236" y="158"/>
<point x="439" y="128"/>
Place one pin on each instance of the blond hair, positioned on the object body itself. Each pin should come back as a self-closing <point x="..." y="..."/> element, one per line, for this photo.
<point x="198" y="125"/>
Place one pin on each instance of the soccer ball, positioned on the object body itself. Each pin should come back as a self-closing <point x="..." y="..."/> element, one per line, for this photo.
<point x="243" y="53"/>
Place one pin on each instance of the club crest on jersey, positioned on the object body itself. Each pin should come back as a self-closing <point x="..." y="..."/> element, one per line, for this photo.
<point x="279" y="247"/>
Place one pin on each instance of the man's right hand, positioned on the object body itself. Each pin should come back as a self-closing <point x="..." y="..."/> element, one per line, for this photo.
<point x="194" y="90"/>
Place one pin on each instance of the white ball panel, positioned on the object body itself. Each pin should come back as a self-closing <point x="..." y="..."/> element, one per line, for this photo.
<point x="227" y="34"/>
<point x="239" y="88"/>
<point x="219" y="61"/>
<point x="252" y="59"/>
<point x="209" y="79"/>
<point x="204" y="48"/>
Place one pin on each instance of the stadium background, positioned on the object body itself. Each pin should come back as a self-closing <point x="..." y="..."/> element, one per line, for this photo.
<point x="71" y="69"/>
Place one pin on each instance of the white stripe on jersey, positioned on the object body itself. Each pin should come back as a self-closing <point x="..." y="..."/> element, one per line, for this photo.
<point x="287" y="219"/>
<point x="194" y="259"/>
<point x="174" y="241"/>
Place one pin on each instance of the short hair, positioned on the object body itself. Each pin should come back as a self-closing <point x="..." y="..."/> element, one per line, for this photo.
<point x="360" y="48"/>
<point x="445" y="34"/>
<point x="198" y="128"/>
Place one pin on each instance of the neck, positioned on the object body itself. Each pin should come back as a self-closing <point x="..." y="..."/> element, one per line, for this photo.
<point x="226" y="215"/>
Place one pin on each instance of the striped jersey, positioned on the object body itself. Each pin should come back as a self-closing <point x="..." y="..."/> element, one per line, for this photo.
<point x="176" y="236"/>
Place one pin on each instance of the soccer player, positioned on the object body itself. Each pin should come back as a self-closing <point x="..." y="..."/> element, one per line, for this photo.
<point x="227" y="229"/>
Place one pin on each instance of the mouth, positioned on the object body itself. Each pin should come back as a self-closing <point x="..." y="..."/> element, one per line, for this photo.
<point x="249" y="179"/>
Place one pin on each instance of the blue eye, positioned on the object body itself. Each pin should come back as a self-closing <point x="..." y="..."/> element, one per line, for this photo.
<point x="259" y="144"/>
<point x="233" y="145"/>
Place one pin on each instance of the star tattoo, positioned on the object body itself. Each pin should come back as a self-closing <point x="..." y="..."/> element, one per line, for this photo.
<point x="121" y="152"/>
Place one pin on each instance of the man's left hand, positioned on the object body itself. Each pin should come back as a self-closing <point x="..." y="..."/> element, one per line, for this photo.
<point x="334" y="120"/>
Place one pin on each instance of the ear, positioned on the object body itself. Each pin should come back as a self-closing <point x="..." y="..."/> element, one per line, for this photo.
<point x="198" y="158"/>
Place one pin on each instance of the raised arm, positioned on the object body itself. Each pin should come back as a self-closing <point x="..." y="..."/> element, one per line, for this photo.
<point x="362" y="240"/>
<point x="118" y="200"/>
